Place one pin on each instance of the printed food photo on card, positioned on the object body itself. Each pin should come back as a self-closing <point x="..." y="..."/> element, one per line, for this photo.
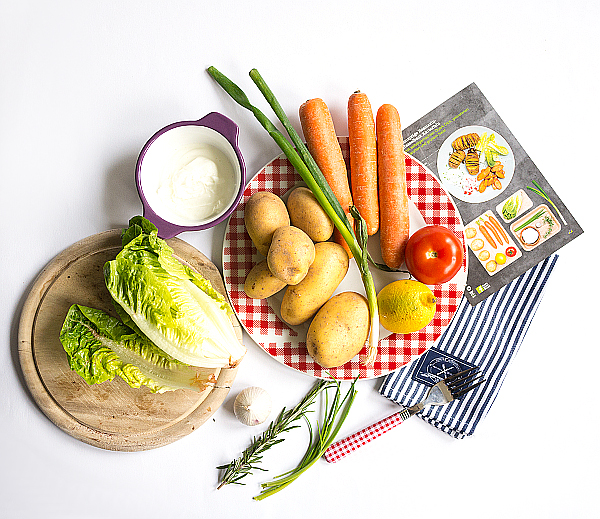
<point x="513" y="218"/>
<point x="491" y="245"/>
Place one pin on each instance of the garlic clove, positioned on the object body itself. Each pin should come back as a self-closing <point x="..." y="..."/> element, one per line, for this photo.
<point x="252" y="406"/>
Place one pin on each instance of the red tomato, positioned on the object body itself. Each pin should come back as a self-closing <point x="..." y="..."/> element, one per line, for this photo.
<point x="511" y="251"/>
<point x="434" y="254"/>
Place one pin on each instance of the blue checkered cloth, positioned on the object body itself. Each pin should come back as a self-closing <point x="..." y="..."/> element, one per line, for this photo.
<point x="487" y="335"/>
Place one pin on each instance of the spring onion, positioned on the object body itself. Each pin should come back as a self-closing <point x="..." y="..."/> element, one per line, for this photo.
<point x="531" y="220"/>
<point x="318" y="443"/>
<point x="538" y="189"/>
<point x="300" y="158"/>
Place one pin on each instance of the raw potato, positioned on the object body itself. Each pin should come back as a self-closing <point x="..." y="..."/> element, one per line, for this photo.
<point x="470" y="232"/>
<point x="484" y="255"/>
<point x="339" y="330"/>
<point x="477" y="244"/>
<point x="263" y="215"/>
<point x="307" y="214"/>
<point x="301" y="301"/>
<point x="290" y="255"/>
<point x="261" y="283"/>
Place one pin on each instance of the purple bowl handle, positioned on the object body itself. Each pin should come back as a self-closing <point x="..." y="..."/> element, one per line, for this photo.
<point x="165" y="229"/>
<point x="228" y="129"/>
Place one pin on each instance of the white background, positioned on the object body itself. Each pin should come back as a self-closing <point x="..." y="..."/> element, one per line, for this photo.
<point x="84" y="84"/>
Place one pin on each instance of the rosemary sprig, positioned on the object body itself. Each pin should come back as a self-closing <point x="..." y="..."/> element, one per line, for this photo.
<point x="317" y="445"/>
<point x="543" y="194"/>
<point x="249" y="459"/>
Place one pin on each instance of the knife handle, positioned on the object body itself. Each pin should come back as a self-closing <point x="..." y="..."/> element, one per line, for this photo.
<point x="341" y="448"/>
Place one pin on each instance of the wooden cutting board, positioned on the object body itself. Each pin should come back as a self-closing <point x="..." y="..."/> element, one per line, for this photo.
<point x="110" y="415"/>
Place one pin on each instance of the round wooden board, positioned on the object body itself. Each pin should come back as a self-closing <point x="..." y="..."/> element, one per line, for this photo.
<point x="110" y="415"/>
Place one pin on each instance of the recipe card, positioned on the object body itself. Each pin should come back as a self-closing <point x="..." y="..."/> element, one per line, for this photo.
<point x="513" y="218"/>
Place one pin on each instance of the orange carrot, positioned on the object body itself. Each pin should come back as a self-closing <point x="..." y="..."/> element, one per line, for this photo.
<point x="499" y="227"/>
<point x="324" y="146"/>
<point x="393" y="198"/>
<point x="494" y="231"/>
<point x="363" y="160"/>
<point x="486" y="234"/>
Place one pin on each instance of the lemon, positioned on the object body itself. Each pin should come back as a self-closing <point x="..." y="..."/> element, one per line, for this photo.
<point x="500" y="258"/>
<point x="405" y="306"/>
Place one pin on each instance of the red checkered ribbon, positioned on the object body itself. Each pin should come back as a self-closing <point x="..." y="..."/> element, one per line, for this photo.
<point x="283" y="342"/>
<point x="340" y="449"/>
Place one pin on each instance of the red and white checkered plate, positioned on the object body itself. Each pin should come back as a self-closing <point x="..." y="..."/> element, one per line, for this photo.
<point x="431" y="205"/>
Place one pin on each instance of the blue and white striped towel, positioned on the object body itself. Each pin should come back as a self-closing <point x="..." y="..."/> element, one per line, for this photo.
<point x="487" y="335"/>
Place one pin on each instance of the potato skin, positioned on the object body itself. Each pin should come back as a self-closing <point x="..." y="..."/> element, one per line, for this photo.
<point x="339" y="330"/>
<point x="261" y="283"/>
<point x="301" y="301"/>
<point x="307" y="214"/>
<point x="290" y="255"/>
<point x="264" y="213"/>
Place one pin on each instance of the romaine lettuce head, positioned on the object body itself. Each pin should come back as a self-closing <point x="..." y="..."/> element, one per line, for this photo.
<point x="171" y="304"/>
<point x="100" y="347"/>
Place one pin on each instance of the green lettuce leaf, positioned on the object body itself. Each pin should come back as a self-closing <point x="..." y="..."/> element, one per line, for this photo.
<point x="171" y="304"/>
<point x="99" y="348"/>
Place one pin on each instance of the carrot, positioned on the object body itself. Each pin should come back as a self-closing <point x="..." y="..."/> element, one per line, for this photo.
<point x="494" y="231"/>
<point x="499" y="228"/>
<point x="393" y="197"/>
<point x="363" y="160"/>
<point x="323" y="144"/>
<point x="487" y="234"/>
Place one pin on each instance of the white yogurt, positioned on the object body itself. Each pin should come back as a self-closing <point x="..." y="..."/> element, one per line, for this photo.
<point x="197" y="183"/>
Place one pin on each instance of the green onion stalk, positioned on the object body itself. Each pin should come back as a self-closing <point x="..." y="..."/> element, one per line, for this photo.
<point x="299" y="156"/>
<point x="333" y="419"/>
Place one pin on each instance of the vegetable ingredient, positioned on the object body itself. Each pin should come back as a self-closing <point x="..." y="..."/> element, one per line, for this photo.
<point x="264" y="213"/>
<point x="434" y="254"/>
<point x="363" y="159"/>
<point x="484" y="255"/>
<point x="464" y="142"/>
<point x="260" y="282"/>
<point x="285" y="421"/>
<point x="323" y="144"/>
<point x="457" y="157"/>
<point x="550" y="223"/>
<point x="290" y="255"/>
<point x="307" y="168"/>
<point x="530" y="220"/>
<point x="393" y="197"/>
<point x="491" y="266"/>
<point x="339" y="330"/>
<point x="302" y="301"/>
<point x="406" y="306"/>
<point x="100" y="347"/>
<point x="171" y="304"/>
<point x="472" y="162"/>
<point x="493" y="231"/>
<point x="333" y="419"/>
<point x="500" y="258"/>
<point x="477" y="244"/>
<point x="483" y="230"/>
<point x="252" y="406"/>
<point x="306" y="214"/>
<point x="511" y="207"/>
<point x="498" y="227"/>
<point x="538" y="189"/>
<point x="470" y="232"/>
<point x="511" y="252"/>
